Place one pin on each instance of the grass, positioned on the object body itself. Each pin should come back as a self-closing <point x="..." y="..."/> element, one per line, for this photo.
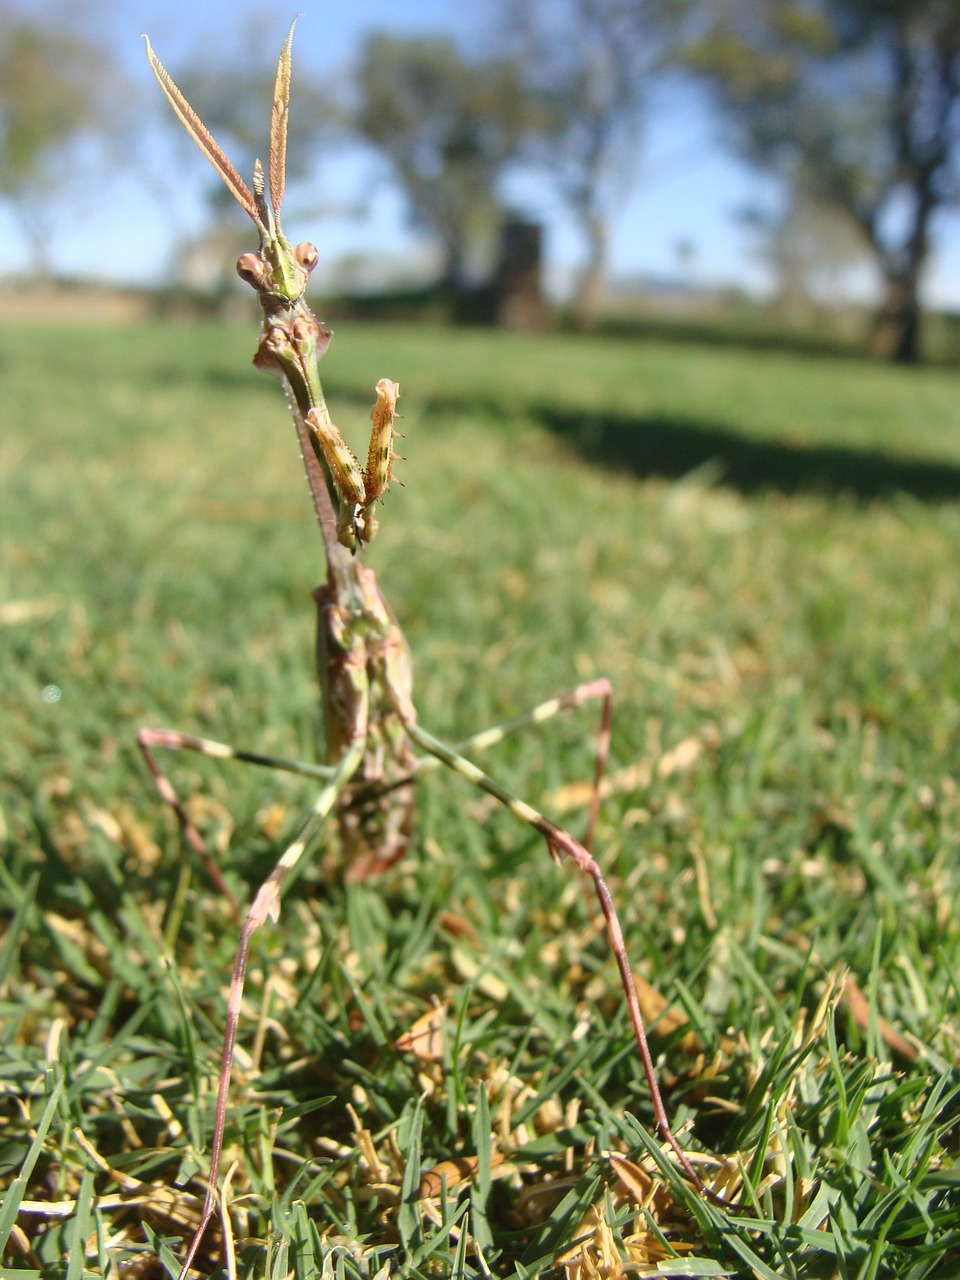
<point x="760" y="549"/>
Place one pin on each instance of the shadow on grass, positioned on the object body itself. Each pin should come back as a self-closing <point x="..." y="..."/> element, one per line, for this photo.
<point x="673" y="447"/>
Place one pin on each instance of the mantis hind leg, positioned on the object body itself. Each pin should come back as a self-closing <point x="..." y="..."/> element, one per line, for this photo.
<point x="561" y="844"/>
<point x="266" y="904"/>
<point x="574" y="698"/>
<point x="150" y="740"/>
<point x="570" y="701"/>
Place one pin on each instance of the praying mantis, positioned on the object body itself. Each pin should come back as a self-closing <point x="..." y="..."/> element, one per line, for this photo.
<point x="375" y="746"/>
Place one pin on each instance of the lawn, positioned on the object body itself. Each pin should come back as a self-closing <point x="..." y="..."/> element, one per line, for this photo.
<point x="760" y="549"/>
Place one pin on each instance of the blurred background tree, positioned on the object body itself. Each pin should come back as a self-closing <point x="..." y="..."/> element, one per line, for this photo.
<point x="850" y="106"/>
<point x="855" y="103"/>
<point x="448" y="127"/>
<point x="814" y="251"/>
<point x="59" y="94"/>
<point x="590" y="65"/>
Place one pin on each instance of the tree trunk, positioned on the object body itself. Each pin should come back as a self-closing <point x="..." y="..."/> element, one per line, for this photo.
<point x="453" y="271"/>
<point x="895" y="334"/>
<point x="35" y="225"/>
<point x="896" y="330"/>
<point x="590" y="287"/>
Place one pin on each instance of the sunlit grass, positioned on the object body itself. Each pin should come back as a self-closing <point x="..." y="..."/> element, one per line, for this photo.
<point x="721" y="533"/>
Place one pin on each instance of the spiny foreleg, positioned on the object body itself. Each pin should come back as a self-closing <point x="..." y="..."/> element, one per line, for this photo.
<point x="380" y="452"/>
<point x="345" y="470"/>
<point x="358" y="489"/>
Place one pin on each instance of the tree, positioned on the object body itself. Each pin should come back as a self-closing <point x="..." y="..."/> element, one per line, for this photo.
<point x="590" y="63"/>
<point x="809" y="246"/>
<point x="57" y="92"/>
<point x="856" y="102"/>
<point x="448" y="128"/>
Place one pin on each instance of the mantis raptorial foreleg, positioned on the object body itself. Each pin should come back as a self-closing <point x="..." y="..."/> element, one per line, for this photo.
<point x="363" y="661"/>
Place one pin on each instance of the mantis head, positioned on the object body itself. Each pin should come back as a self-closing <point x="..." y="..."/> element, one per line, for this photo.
<point x="279" y="270"/>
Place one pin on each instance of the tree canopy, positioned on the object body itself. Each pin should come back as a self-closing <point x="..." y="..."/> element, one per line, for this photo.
<point x="856" y="102"/>
<point x="56" y="92"/>
<point x="589" y="65"/>
<point x="448" y="127"/>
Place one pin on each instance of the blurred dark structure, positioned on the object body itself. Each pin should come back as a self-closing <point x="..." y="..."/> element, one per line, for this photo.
<point x="518" y="282"/>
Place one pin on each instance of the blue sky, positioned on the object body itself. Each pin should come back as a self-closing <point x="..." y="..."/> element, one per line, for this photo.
<point x="687" y="188"/>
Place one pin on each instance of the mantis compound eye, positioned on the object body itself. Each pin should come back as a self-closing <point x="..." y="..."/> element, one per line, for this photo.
<point x="250" y="268"/>
<point x="306" y="255"/>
